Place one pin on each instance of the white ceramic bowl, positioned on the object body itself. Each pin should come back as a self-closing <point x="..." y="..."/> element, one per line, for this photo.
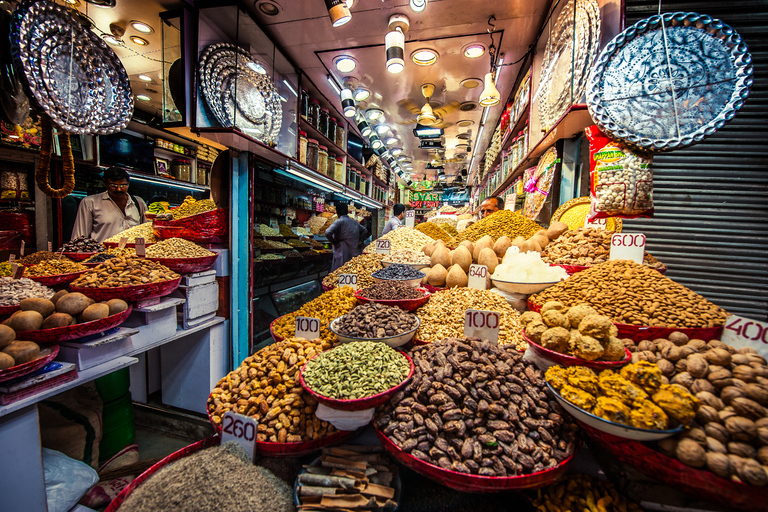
<point x="416" y="282"/>
<point x="392" y="341"/>
<point x="610" y="427"/>
<point x="414" y="266"/>
<point x="521" y="288"/>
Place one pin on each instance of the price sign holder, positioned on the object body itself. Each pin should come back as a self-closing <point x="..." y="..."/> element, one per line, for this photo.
<point x="510" y="202"/>
<point x="477" y="277"/>
<point x="140" y="247"/>
<point x="382" y="246"/>
<point x="11" y="258"/>
<point x="123" y="242"/>
<point x="348" y="280"/>
<point x="482" y="324"/>
<point x="743" y="332"/>
<point x="410" y="218"/>
<point x="15" y="270"/>
<point x="307" y="327"/>
<point x="50" y="247"/>
<point x="628" y="246"/>
<point x="21" y="250"/>
<point x="240" y="429"/>
<point x="598" y="223"/>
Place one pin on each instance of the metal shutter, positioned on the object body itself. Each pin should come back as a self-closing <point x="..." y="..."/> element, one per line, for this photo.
<point x="711" y="219"/>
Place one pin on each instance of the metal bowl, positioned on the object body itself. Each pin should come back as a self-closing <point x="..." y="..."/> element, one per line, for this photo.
<point x="521" y="288"/>
<point x="392" y="341"/>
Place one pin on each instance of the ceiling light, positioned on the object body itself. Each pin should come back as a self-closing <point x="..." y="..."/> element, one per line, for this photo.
<point x="490" y="96"/>
<point x="381" y="128"/>
<point x="107" y="4"/>
<point x="348" y="103"/>
<point x="402" y="158"/>
<point x="465" y="122"/>
<point x="364" y="127"/>
<point x="375" y="142"/>
<point x="143" y="97"/>
<point x="145" y="78"/>
<point x="391" y="140"/>
<point x="374" y="113"/>
<point x="112" y="40"/>
<point x="473" y="50"/>
<point x="427" y="132"/>
<point x="269" y="8"/>
<point x="418" y="5"/>
<point x="334" y="85"/>
<point x="345" y="63"/>
<point x="471" y="83"/>
<point x="139" y="40"/>
<point x="350" y="3"/>
<point x="424" y="57"/>
<point x="395" y="42"/>
<point x="255" y="66"/>
<point x="468" y="106"/>
<point x="362" y="94"/>
<point x="142" y="27"/>
<point x="338" y="11"/>
<point x="396" y="151"/>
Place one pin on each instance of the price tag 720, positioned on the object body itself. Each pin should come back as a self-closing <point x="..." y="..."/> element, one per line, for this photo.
<point x="348" y="280"/>
<point x="628" y="246"/>
<point x="482" y="324"/>
<point x="241" y="429"/>
<point x="477" y="277"/>
<point x="743" y="332"/>
<point x="382" y="246"/>
<point x="307" y="328"/>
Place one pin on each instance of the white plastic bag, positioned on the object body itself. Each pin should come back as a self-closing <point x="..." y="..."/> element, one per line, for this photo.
<point x="344" y="420"/>
<point x="66" y="480"/>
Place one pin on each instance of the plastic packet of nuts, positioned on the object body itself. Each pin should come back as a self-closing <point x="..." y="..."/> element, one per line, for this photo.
<point x="621" y="179"/>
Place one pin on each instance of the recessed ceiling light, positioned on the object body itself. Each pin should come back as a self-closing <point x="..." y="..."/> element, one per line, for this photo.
<point x="362" y="94"/>
<point x="471" y="83"/>
<point x="396" y="151"/>
<point x="463" y="136"/>
<point x="391" y="140"/>
<point x="468" y="106"/>
<point x="142" y="27"/>
<point x="145" y="78"/>
<point x="112" y="40"/>
<point x="350" y="3"/>
<point x="473" y="50"/>
<point x="381" y="129"/>
<point x="465" y="122"/>
<point x="257" y="68"/>
<point x="345" y="63"/>
<point x="269" y="8"/>
<point x="143" y="97"/>
<point x="374" y="113"/>
<point x="424" y="57"/>
<point x="139" y="40"/>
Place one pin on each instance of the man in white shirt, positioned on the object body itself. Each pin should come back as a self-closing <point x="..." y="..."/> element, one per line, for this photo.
<point x="394" y="222"/>
<point x="104" y="215"/>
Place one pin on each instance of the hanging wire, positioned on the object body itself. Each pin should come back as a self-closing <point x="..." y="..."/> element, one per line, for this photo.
<point x="492" y="47"/>
<point x="536" y="40"/>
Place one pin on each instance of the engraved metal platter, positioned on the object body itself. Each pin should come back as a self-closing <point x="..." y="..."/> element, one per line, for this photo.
<point x="71" y="72"/>
<point x="669" y="81"/>
<point x="570" y="51"/>
<point x="574" y="213"/>
<point x="237" y="95"/>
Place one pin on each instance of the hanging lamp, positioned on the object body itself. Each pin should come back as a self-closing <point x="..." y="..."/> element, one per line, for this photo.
<point x="490" y="97"/>
<point x="395" y="42"/>
<point x="338" y="11"/>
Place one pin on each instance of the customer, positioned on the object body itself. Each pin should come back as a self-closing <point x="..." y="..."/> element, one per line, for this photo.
<point x="491" y="205"/>
<point x="394" y="222"/>
<point x="344" y="234"/>
<point x="106" y="214"/>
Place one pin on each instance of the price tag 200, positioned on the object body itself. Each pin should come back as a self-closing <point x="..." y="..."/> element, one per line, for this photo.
<point x="744" y="332"/>
<point x="597" y="223"/>
<point x="307" y="328"/>
<point x="478" y="277"/>
<point x="140" y="247"/>
<point x="240" y="429"/>
<point x="348" y="280"/>
<point x="382" y="246"/>
<point x="482" y="324"/>
<point x="628" y="246"/>
<point x="410" y="218"/>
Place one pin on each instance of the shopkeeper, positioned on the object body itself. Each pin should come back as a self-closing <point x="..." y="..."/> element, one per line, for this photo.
<point x="395" y="221"/>
<point x="104" y="215"/>
<point x="344" y="234"/>
<point x="491" y="205"/>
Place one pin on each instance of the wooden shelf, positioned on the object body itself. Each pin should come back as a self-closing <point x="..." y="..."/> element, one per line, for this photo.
<point x="168" y="181"/>
<point x="314" y="133"/>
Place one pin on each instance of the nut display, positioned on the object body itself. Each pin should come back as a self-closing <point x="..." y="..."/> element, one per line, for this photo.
<point x="434" y="231"/>
<point x="37" y="257"/>
<point x="271" y="257"/>
<point x="391" y="290"/>
<point x="63" y="309"/>
<point x="125" y="271"/>
<point x="286" y="231"/>
<point x="265" y="230"/>
<point x="177" y="248"/>
<point x="54" y="268"/>
<point x="13" y="291"/>
<point x="582" y="492"/>
<point x="398" y="272"/>
<point x="496" y="225"/>
<point x="527" y="267"/>
<point x="630" y="293"/>
<point x="266" y="387"/>
<point x="82" y="244"/>
<point x="356" y="370"/>
<point x="407" y="256"/>
<point x="131" y="234"/>
<point x="192" y="207"/>
<point x="15" y="352"/>
<point x="328" y="306"/>
<point x="478" y="408"/>
<point x="6" y="269"/>
<point x="374" y="320"/>
<point x="443" y="316"/>
<point x="362" y="266"/>
<point x="587" y="247"/>
<point x="402" y="238"/>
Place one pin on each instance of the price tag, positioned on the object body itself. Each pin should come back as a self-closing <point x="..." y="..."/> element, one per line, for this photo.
<point x="482" y="324"/>
<point x="307" y="328"/>
<point x="123" y="242"/>
<point x="140" y="247"/>
<point x="628" y="246"/>
<point x="743" y="332"/>
<point x="21" y="251"/>
<point x="597" y="223"/>
<point x="348" y="280"/>
<point x="11" y="258"/>
<point x="50" y="247"/>
<point x="510" y="202"/>
<point x="15" y="270"/>
<point x="410" y="218"/>
<point x="477" y="277"/>
<point x="273" y="223"/>
<point x="382" y="246"/>
<point x="240" y="429"/>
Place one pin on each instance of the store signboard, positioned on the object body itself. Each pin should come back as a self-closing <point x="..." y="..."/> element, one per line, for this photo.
<point x="382" y="246"/>
<point x="628" y="246"/>
<point x="410" y="218"/>
<point x="477" y="277"/>
<point x="482" y="324"/>
<point x="743" y="332"/>
<point x="240" y="429"/>
<point x="348" y="280"/>
<point x="307" y="328"/>
<point x="140" y="247"/>
<point x="597" y="223"/>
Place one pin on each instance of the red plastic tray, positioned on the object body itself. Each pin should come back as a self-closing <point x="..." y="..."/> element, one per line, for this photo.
<point x="130" y="293"/>
<point x="359" y="404"/>
<point x="272" y="332"/>
<point x="46" y="356"/>
<point x="79" y="256"/>
<point x="432" y="289"/>
<point x="187" y="265"/>
<point x="405" y="304"/>
<point x="7" y="310"/>
<point x="566" y="360"/>
<point x="112" y="245"/>
<point x="58" y="280"/>
<point x="327" y="288"/>
<point x="210" y="227"/>
<point x="572" y="269"/>
<point x="76" y="331"/>
<point x="474" y="483"/>
<point x="671" y="472"/>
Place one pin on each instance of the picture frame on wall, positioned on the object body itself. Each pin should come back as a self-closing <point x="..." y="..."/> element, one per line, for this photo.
<point x="162" y="166"/>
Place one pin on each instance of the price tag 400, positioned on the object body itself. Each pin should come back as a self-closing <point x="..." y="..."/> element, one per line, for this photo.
<point x="628" y="246"/>
<point x="478" y="275"/>
<point x="482" y="324"/>
<point x="742" y="332"/>
<point x="382" y="246"/>
<point x="307" y="328"/>
<point x="240" y="429"/>
<point x="348" y="280"/>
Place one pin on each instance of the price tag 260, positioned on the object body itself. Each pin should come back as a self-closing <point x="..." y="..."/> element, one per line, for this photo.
<point x="348" y="280"/>
<point x="743" y="332"/>
<point x="382" y="246"/>
<point x="140" y="247"/>
<point x="482" y="324"/>
<point x="240" y="429"/>
<point x="628" y="246"/>
<point x="478" y="277"/>
<point x="307" y="328"/>
<point x="410" y="218"/>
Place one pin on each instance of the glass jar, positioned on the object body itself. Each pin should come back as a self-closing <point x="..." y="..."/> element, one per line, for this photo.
<point x="202" y="175"/>
<point x="304" y="104"/>
<point x="322" y="124"/>
<point x="313" y="114"/>
<point x="350" y="177"/>
<point x="338" y="170"/>
<point x="322" y="160"/>
<point x="181" y="169"/>
<point x="313" y="153"/>
<point x="331" y="133"/>
<point x="339" y="137"/>
<point x="303" y="147"/>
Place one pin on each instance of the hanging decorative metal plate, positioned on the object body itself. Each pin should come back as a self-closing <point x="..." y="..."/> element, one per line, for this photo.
<point x="669" y="81"/>
<point x="71" y="72"/>
<point x="237" y="95"/>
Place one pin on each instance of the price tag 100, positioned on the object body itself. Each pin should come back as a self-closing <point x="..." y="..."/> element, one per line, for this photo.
<point x="628" y="246"/>
<point x="478" y="277"/>
<point x="348" y="280"/>
<point x="410" y="218"/>
<point x="307" y="328"/>
<point x="382" y="246"/>
<point x="597" y="223"/>
<point x="482" y="324"/>
<point x="743" y="332"/>
<point x="140" y="247"/>
<point x="240" y="429"/>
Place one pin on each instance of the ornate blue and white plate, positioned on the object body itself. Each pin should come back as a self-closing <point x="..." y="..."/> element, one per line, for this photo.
<point x="669" y="81"/>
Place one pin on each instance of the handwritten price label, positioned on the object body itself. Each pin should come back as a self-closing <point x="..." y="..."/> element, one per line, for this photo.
<point x="15" y="270"/>
<point x="743" y="332"/>
<point x="50" y="247"/>
<point x="382" y="246"/>
<point x="240" y="429"/>
<point x="482" y="324"/>
<point x="140" y="247"/>
<point x="478" y="277"/>
<point x="410" y="218"/>
<point x="597" y="223"/>
<point x="11" y="258"/>
<point x="307" y="328"/>
<point x="628" y="246"/>
<point x="348" y="280"/>
<point x="21" y="251"/>
<point x="123" y="242"/>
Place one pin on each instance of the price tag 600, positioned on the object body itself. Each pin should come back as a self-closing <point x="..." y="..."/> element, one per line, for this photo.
<point x="307" y="327"/>
<point x="240" y="429"/>
<point x="482" y="324"/>
<point x="597" y="223"/>
<point x="410" y="218"/>
<point x="382" y="246"/>
<point x="628" y="246"/>
<point x="478" y="277"/>
<point x="348" y="280"/>
<point x="742" y="332"/>
<point x="140" y="247"/>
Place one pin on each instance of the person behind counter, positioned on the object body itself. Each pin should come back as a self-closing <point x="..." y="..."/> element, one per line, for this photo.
<point x="395" y="221"/>
<point x="106" y="214"/>
<point x="344" y="234"/>
<point x="491" y="205"/>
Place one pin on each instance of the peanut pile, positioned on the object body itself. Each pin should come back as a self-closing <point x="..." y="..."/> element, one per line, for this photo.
<point x="434" y="231"/>
<point x="402" y="238"/>
<point x="141" y="231"/>
<point x="125" y="271"/>
<point x="177" y="248"/>
<point x="327" y="307"/>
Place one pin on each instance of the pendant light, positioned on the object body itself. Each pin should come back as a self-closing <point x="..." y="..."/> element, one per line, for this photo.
<point x="395" y="42"/>
<point x="338" y="11"/>
<point x="418" y="5"/>
<point x="490" y="96"/>
<point x="348" y="102"/>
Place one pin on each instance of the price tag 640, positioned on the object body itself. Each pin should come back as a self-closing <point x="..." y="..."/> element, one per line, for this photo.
<point x="307" y="328"/>
<point x="478" y="277"/>
<point x="742" y="332"/>
<point x="382" y="246"/>
<point x="123" y="242"/>
<point x="482" y="324"/>
<point x="628" y="246"/>
<point x="348" y="280"/>
<point x="410" y="218"/>
<point x="140" y="247"/>
<point x="240" y="429"/>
